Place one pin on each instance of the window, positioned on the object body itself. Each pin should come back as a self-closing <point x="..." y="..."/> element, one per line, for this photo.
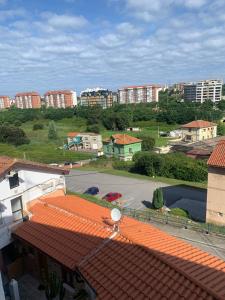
<point x="14" y="181"/>
<point x="17" y="208"/>
<point x="130" y="150"/>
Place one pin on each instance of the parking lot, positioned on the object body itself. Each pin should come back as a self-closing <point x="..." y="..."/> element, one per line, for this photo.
<point x="136" y="193"/>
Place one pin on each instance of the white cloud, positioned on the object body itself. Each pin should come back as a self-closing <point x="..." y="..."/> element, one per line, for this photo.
<point x="128" y="29"/>
<point x="65" y="21"/>
<point x="10" y="14"/>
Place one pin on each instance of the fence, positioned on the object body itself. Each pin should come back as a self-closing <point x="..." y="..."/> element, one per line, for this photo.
<point x="154" y="216"/>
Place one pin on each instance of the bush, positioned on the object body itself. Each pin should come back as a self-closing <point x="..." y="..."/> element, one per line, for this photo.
<point x="13" y="135"/>
<point x="38" y="126"/>
<point x="148" y="142"/>
<point x="221" y="129"/>
<point x="17" y="123"/>
<point x="179" y="212"/>
<point x="94" y="128"/>
<point x="52" y="132"/>
<point x="157" y="201"/>
<point x="123" y="165"/>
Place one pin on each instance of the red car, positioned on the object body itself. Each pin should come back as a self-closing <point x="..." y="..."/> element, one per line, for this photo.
<point x="110" y="197"/>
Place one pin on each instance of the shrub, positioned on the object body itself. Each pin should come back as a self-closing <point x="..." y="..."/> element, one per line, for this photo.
<point x="123" y="165"/>
<point x="13" y="135"/>
<point x="17" y="123"/>
<point x="52" y="132"/>
<point x="157" y="201"/>
<point x="179" y="212"/>
<point x="38" y="126"/>
<point x="148" y="142"/>
<point x="94" y="128"/>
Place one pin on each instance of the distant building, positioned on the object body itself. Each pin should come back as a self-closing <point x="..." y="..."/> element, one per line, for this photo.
<point x="203" y="90"/>
<point x="139" y="94"/>
<point x="28" y="100"/>
<point x="178" y="87"/>
<point x="79" y="141"/>
<point x="60" y="98"/>
<point x="215" y="210"/>
<point x="97" y="96"/>
<point x="4" y="102"/>
<point x="198" y="131"/>
<point x="121" y="146"/>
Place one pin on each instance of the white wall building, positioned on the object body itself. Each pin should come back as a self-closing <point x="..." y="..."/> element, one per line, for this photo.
<point x="21" y="182"/>
<point x="203" y="90"/>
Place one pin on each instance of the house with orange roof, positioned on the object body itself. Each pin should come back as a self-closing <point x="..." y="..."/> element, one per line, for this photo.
<point x="215" y="209"/>
<point x="121" y="146"/>
<point x="198" y="130"/>
<point x="78" y="240"/>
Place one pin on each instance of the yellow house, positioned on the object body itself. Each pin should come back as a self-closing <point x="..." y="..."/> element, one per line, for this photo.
<point x="215" y="210"/>
<point x="199" y="130"/>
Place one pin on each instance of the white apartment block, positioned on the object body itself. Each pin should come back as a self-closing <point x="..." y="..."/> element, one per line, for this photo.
<point x="139" y="94"/>
<point x="203" y="90"/>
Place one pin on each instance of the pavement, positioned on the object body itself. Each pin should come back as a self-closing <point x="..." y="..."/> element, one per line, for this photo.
<point x="138" y="194"/>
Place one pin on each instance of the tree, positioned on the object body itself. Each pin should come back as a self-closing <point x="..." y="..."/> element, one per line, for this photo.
<point x="38" y="126"/>
<point x="158" y="200"/>
<point x="13" y="135"/>
<point x="94" y="128"/>
<point x="148" y="142"/>
<point x="52" y="132"/>
<point x="221" y="129"/>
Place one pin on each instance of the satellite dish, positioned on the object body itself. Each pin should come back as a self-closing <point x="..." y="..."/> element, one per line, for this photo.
<point x="116" y="214"/>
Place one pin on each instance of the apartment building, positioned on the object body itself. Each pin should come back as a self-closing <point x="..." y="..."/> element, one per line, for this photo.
<point x="203" y="90"/>
<point x="139" y="94"/>
<point x="28" y="100"/>
<point x="21" y="182"/>
<point x="4" y="102"/>
<point x="60" y="98"/>
<point x="97" y="96"/>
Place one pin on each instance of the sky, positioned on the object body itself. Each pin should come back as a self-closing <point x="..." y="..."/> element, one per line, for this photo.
<point x="79" y="44"/>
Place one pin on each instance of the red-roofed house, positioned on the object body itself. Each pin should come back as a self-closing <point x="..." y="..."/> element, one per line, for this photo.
<point x="199" y="130"/>
<point x="74" y="237"/>
<point x="216" y="185"/>
<point x="121" y="146"/>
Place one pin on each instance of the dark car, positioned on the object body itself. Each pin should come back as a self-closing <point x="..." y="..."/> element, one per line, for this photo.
<point x="94" y="190"/>
<point x="110" y="197"/>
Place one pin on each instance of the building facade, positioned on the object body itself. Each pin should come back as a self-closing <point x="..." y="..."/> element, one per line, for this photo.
<point x="28" y="100"/>
<point x="198" y="131"/>
<point x="215" y="209"/>
<point x="20" y="183"/>
<point x="60" y="99"/>
<point x="121" y="146"/>
<point x="79" y="141"/>
<point x="4" y="102"/>
<point x="139" y="94"/>
<point x="97" y="96"/>
<point x="203" y="90"/>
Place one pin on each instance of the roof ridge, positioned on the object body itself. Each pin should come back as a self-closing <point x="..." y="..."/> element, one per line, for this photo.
<point x="175" y="267"/>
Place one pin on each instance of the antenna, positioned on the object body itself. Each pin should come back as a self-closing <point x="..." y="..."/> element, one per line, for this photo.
<point x="116" y="216"/>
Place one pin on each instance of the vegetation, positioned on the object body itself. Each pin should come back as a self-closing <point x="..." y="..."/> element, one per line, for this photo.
<point x="221" y="129"/>
<point x="170" y="165"/>
<point x="157" y="201"/>
<point x="12" y="135"/>
<point x="148" y="142"/>
<point x="52" y="132"/>
<point x="179" y="212"/>
<point x="94" y="128"/>
<point x="38" y="126"/>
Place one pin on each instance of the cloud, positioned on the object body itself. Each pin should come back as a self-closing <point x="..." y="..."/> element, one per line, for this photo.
<point x="13" y="13"/>
<point x="64" y="21"/>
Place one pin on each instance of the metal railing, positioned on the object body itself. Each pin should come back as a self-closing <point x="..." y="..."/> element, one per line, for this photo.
<point x="164" y="218"/>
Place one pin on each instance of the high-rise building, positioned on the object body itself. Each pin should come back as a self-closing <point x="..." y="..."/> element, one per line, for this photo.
<point x="28" y="100"/>
<point x="139" y="94"/>
<point x="61" y="98"/>
<point x="97" y="96"/>
<point x="4" y="102"/>
<point x="203" y="90"/>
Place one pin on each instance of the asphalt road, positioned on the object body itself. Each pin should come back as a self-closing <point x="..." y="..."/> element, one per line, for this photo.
<point x="136" y="193"/>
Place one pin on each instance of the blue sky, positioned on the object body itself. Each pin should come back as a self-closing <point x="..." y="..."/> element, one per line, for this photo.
<point x="57" y="44"/>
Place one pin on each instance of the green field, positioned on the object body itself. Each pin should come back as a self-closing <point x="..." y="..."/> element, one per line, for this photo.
<point x="43" y="150"/>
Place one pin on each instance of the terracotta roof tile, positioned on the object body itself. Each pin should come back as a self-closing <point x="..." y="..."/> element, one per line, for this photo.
<point x="198" y="124"/>
<point x="140" y="262"/>
<point x="72" y="134"/>
<point x="27" y="94"/>
<point x="9" y="163"/>
<point x="56" y="92"/>
<point x="124" y="139"/>
<point x="217" y="158"/>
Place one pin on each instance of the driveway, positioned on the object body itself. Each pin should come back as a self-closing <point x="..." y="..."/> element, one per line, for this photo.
<point x="136" y="193"/>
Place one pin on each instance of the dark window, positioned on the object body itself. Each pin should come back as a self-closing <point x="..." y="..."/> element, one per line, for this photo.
<point x="17" y="208"/>
<point x="14" y="181"/>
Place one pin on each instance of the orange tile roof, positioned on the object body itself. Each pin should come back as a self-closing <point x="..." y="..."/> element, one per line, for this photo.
<point x="217" y="158"/>
<point x="72" y="134"/>
<point x="140" y="262"/>
<point x="56" y="92"/>
<point x="124" y="139"/>
<point x="9" y="163"/>
<point x="27" y="94"/>
<point x="198" y="124"/>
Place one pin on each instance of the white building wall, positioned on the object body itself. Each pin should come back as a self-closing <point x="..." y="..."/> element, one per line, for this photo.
<point x="32" y="184"/>
<point x="74" y="96"/>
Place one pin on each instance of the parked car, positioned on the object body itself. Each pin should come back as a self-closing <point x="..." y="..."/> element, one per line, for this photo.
<point x="94" y="190"/>
<point x="110" y="197"/>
